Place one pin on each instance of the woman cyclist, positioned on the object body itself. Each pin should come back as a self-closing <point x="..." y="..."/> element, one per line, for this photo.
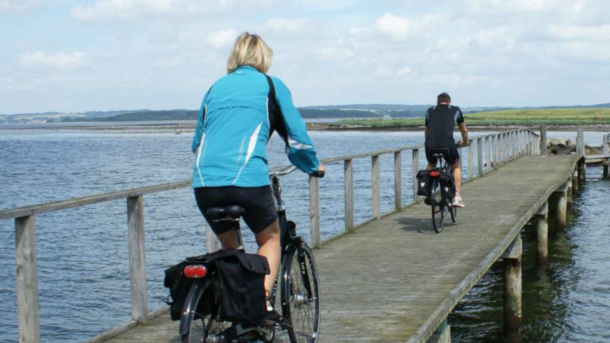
<point x="237" y="117"/>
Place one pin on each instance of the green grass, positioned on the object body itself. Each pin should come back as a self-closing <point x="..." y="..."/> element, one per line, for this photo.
<point x="572" y="116"/>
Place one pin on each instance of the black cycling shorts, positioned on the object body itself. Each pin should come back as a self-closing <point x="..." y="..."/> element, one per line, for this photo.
<point x="257" y="201"/>
<point x="452" y="157"/>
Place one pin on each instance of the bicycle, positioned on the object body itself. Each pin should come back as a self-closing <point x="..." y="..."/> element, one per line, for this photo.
<point x="440" y="198"/>
<point x="297" y="281"/>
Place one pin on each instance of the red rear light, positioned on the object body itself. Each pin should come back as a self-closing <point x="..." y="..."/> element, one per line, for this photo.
<point x="435" y="173"/>
<point x="195" y="271"/>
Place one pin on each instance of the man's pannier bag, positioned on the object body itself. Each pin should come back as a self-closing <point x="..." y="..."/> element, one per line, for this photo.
<point x="240" y="285"/>
<point x="447" y="185"/>
<point x="424" y="183"/>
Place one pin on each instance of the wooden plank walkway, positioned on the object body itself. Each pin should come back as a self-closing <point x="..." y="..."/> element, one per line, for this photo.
<point x="395" y="280"/>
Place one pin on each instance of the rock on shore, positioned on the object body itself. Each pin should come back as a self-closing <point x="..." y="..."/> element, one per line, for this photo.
<point x="560" y="146"/>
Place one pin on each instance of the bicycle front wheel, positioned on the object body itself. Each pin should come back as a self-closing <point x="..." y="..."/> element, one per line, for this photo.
<point x="301" y="295"/>
<point x="439" y="208"/>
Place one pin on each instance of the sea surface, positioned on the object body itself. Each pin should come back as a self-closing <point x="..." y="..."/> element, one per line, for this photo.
<point x="83" y="270"/>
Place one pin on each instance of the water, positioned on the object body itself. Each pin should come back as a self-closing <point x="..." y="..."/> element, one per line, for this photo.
<point x="82" y="253"/>
<point x="569" y="299"/>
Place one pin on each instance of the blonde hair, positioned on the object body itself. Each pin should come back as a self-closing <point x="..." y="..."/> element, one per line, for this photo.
<point x="252" y="51"/>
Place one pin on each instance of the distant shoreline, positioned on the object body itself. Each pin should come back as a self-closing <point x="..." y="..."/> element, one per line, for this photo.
<point x="189" y="127"/>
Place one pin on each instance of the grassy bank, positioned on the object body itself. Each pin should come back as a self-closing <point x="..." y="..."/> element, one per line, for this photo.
<point x="558" y="117"/>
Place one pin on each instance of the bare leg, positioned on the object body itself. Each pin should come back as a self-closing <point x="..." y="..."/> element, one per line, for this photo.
<point x="268" y="242"/>
<point x="229" y="239"/>
<point x="456" y="170"/>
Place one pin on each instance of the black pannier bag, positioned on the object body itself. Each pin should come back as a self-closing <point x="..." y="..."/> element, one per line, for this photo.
<point x="241" y="279"/>
<point x="424" y="183"/>
<point x="179" y="286"/>
<point x="240" y="282"/>
<point x="447" y="185"/>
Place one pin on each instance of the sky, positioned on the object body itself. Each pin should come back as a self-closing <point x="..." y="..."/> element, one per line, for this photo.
<point x="73" y="56"/>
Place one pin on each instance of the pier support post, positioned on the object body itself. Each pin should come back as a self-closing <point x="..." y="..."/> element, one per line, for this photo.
<point x="513" y="312"/>
<point x="137" y="261"/>
<point x="575" y="183"/>
<point x="27" y="282"/>
<point x="442" y="334"/>
<point x="560" y="205"/>
<point x="582" y="171"/>
<point x="570" y="196"/>
<point x="541" y="220"/>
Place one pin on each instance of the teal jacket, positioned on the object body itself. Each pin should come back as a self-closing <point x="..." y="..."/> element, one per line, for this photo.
<point x="234" y="127"/>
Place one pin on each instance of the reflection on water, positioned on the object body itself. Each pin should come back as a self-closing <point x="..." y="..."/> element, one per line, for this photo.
<point x="566" y="301"/>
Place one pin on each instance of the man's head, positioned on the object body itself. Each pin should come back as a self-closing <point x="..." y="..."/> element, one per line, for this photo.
<point x="443" y="99"/>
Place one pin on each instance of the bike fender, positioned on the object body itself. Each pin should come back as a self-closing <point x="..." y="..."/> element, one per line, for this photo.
<point x="188" y="311"/>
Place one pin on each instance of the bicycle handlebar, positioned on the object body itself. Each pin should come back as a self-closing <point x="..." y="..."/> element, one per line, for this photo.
<point x="290" y="169"/>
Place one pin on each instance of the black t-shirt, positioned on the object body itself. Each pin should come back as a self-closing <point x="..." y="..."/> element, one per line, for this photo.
<point x="440" y="121"/>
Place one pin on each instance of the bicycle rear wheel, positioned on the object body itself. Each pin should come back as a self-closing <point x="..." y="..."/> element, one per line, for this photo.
<point x="301" y="295"/>
<point x="439" y="208"/>
<point x="201" y="327"/>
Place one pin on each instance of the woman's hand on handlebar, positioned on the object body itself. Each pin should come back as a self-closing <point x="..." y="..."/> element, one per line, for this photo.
<point x="320" y="172"/>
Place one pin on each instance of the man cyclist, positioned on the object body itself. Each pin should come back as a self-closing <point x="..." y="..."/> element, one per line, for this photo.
<point x="440" y="121"/>
<point x="237" y="117"/>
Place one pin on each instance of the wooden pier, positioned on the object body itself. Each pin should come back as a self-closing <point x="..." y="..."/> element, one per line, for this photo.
<point x="391" y="278"/>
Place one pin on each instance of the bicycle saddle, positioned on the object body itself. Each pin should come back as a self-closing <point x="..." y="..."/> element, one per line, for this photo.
<point x="439" y="152"/>
<point x="232" y="212"/>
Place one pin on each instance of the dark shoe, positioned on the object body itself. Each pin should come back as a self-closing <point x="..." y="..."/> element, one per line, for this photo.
<point x="427" y="201"/>
<point x="271" y="318"/>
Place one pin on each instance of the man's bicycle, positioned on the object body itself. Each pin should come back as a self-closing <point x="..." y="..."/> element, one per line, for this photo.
<point x="298" y="283"/>
<point x="441" y="193"/>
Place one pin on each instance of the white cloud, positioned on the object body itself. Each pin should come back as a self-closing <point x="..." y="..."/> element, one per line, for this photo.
<point x="588" y="33"/>
<point x="61" y="61"/>
<point x="126" y="10"/>
<point x="402" y="28"/>
<point x="405" y="71"/>
<point x="12" y="6"/>
<point x="223" y="38"/>
<point x="282" y="24"/>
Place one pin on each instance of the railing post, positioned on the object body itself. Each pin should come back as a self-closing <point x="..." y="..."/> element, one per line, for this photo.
<point x="398" y="180"/>
<point x="212" y="243"/>
<point x="415" y="168"/>
<point x="480" y="155"/>
<point x="605" y="151"/>
<point x="543" y="147"/>
<point x="27" y="282"/>
<point x="471" y="160"/>
<point x="376" y="190"/>
<point x="488" y="153"/>
<point x="497" y="152"/>
<point x="314" y="211"/>
<point x="513" y="313"/>
<point x="580" y="142"/>
<point x="348" y="169"/>
<point x="137" y="261"/>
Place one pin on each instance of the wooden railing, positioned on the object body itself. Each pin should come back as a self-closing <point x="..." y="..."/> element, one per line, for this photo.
<point x="499" y="149"/>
